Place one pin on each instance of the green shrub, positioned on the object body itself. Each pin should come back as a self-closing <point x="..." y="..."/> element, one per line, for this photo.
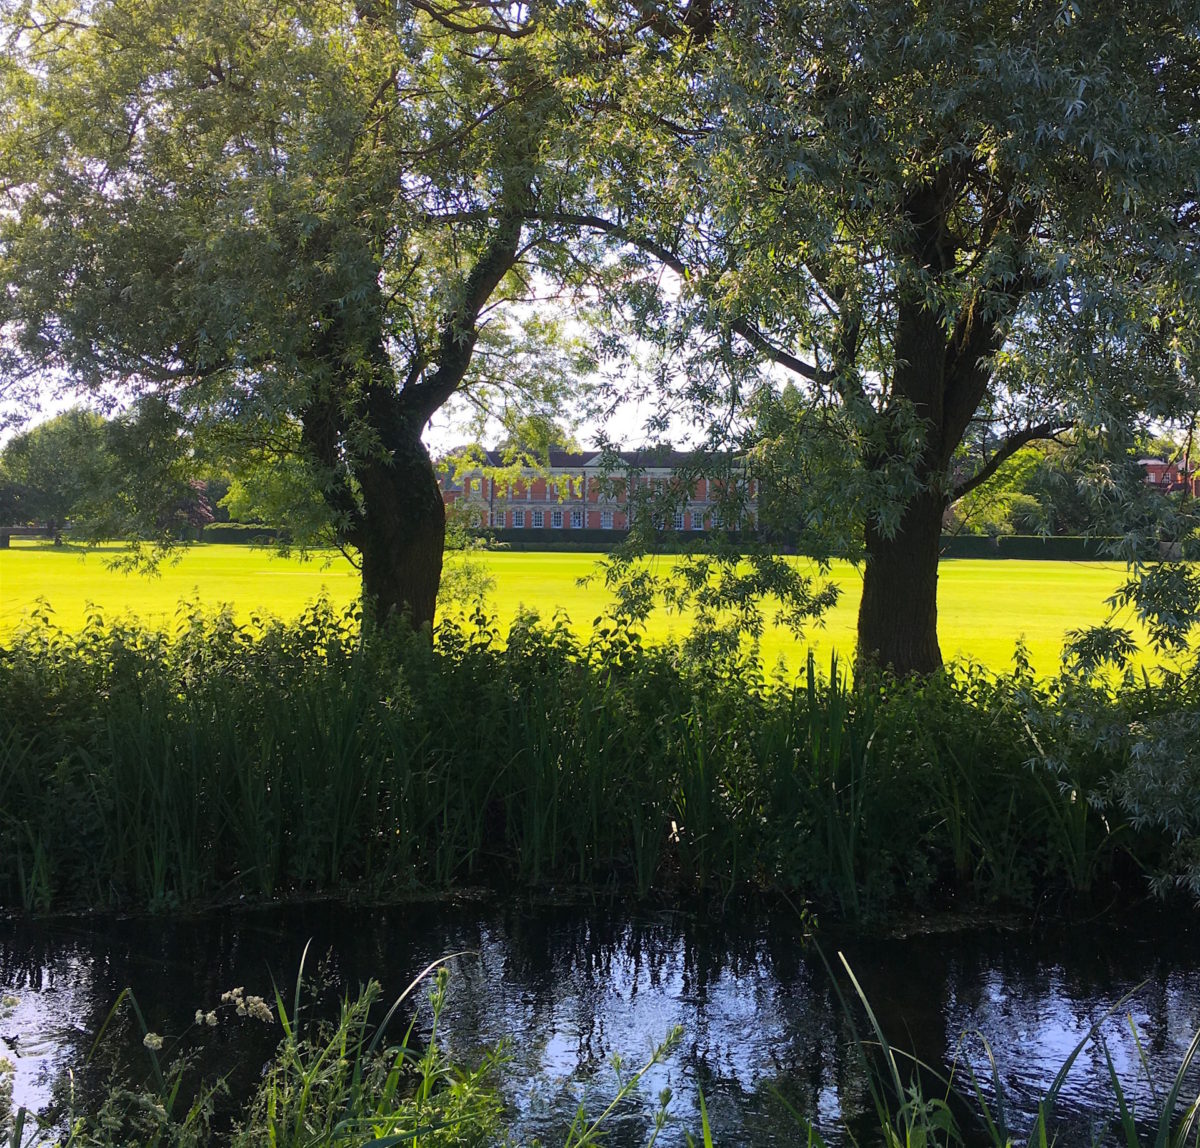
<point x="241" y="532"/>
<point x="266" y="759"/>
<point x="1028" y="546"/>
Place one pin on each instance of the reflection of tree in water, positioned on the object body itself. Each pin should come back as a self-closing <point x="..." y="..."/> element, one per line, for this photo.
<point x="572" y="986"/>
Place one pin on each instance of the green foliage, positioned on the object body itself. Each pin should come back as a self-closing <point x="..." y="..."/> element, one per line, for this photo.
<point x="133" y="476"/>
<point x="267" y="758"/>
<point x="1161" y="788"/>
<point x="955" y="229"/>
<point x="332" y="1083"/>
<point x="277" y="489"/>
<point x="52" y="472"/>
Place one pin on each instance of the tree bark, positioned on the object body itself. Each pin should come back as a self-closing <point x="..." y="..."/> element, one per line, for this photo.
<point x="897" y="620"/>
<point x="401" y="533"/>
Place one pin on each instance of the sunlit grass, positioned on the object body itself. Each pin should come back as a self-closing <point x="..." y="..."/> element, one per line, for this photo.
<point x="985" y="605"/>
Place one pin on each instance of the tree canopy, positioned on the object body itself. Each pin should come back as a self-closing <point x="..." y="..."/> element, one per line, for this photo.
<point x="956" y="227"/>
<point x="305" y="223"/>
<point x="51" y="472"/>
<point x="945" y="222"/>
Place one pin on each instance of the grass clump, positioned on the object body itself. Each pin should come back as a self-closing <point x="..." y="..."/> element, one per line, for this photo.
<point x="336" y="1083"/>
<point x="330" y="1083"/>
<point x="140" y="769"/>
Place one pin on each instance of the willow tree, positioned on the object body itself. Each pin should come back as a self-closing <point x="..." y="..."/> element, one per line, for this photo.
<point x="947" y="222"/>
<point x="301" y="222"/>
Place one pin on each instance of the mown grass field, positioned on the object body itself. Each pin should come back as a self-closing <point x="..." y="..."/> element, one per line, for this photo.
<point x="985" y="605"/>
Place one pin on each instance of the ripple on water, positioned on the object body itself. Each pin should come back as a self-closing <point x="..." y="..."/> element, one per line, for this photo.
<point x="763" y="1023"/>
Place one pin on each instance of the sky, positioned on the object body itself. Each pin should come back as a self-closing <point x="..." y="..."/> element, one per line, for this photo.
<point x="445" y="430"/>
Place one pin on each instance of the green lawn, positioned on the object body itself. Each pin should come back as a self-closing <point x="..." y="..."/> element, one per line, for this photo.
<point x="985" y="605"/>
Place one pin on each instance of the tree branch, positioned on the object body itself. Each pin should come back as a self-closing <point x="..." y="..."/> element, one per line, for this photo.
<point x="1007" y="449"/>
<point x="485" y="27"/>
<point x="460" y="327"/>
<point x="760" y="342"/>
<point x="666" y="256"/>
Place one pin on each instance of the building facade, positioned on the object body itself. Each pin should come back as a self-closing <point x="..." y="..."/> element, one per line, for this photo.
<point x="1170" y="477"/>
<point x="592" y="491"/>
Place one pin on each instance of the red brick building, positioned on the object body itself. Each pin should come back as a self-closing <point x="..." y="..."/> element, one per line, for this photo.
<point x="585" y="491"/>
<point x="1171" y="476"/>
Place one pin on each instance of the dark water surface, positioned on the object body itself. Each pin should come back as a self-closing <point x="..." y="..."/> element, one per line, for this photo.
<point x="569" y="987"/>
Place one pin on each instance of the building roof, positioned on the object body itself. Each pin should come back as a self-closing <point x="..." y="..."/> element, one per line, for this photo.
<point x="1182" y="465"/>
<point x="654" y="457"/>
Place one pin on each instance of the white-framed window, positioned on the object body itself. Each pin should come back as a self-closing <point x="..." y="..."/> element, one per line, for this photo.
<point x="539" y="519"/>
<point x="678" y="523"/>
<point x="697" y="520"/>
<point x="606" y="520"/>
<point x="498" y="519"/>
<point x="519" y="519"/>
<point x="549" y="492"/>
<point x="556" y="519"/>
<point x="576" y="519"/>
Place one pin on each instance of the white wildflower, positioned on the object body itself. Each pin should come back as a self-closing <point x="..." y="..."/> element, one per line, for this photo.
<point x="7" y="1071"/>
<point x="152" y="1041"/>
<point x="210" y="1019"/>
<point x="258" y="1008"/>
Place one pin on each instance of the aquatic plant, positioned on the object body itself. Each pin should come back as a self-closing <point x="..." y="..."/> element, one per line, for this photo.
<point x="265" y="759"/>
<point x="909" y="1117"/>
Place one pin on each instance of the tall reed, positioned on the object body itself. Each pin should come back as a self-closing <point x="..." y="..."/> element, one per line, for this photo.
<point x="266" y="759"/>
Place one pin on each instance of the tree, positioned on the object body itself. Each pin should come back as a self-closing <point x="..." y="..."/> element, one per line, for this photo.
<point x="934" y="216"/>
<point x="109" y="478"/>
<point x="296" y="221"/>
<point x="51" y="472"/>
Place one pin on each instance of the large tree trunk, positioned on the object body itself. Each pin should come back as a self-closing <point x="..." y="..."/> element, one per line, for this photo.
<point x="897" y="620"/>
<point x="401" y="534"/>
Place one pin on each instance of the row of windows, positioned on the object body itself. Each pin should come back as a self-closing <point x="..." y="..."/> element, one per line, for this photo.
<point x="538" y="520"/>
<point x="511" y="493"/>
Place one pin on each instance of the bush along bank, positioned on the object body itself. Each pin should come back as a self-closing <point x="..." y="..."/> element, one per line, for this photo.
<point x="141" y="770"/>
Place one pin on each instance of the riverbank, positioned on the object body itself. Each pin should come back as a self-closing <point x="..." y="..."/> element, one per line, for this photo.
<point x="146" y="772"/>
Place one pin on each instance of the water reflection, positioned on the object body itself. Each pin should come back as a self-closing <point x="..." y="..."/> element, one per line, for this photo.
<point x="763" y="1023"/>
